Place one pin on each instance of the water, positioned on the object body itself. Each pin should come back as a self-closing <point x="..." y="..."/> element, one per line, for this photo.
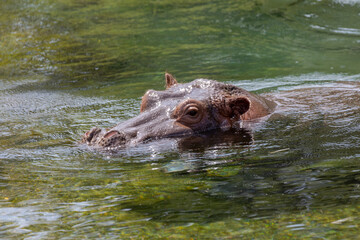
<point x="67" y="66"/>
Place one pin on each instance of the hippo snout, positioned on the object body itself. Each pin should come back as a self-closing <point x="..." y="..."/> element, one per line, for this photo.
<point x="99" y="137"/>
<point x="92" y="136"/>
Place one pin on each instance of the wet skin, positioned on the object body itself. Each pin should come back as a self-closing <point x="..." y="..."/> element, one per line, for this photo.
<point x="183" y="110"/>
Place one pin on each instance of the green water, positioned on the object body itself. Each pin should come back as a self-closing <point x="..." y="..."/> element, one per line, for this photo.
<point x="66" y="66"/>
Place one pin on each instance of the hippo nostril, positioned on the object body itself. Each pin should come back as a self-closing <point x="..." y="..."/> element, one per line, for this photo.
<point x="91" y="136"/>
<point x="113" y="139"/>
<point x="111" y="133"/>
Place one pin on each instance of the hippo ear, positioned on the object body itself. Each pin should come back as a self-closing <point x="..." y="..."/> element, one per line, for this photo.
<point x="170" y="80"/>
<point x="236" y="106"/>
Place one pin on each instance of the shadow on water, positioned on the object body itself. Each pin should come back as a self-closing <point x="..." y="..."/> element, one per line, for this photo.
<point x="216" y="138"/>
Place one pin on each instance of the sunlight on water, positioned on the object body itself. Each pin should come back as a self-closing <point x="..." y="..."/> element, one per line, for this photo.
<point x="293" y="82"/>
<point x="350" y="2"/>
<point x="18" y="220"/>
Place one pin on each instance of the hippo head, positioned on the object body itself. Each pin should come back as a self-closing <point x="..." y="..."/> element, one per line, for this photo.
<point x="180" y="110"/>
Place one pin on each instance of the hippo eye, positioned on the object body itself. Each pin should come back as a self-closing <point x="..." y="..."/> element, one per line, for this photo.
<point x="192" y="112"/>
<point x="189" y="112"/>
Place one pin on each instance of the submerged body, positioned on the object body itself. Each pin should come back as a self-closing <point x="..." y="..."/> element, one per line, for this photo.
<point x="183" y="110"/>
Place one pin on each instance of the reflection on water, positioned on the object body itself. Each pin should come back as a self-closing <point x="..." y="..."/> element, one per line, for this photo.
<point x="66" y="66"/>
<point x="17" y="220"/>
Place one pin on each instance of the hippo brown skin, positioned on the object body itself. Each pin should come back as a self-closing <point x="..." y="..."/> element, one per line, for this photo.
<point x="183" y="110"/>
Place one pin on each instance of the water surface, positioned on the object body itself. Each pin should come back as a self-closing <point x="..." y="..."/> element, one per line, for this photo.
<point x="66" y="66"/>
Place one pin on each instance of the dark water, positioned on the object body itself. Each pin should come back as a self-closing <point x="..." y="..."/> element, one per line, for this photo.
<point x="66" y="66"/>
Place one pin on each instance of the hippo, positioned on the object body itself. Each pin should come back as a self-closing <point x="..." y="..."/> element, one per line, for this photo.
<point x="183" y="110"/>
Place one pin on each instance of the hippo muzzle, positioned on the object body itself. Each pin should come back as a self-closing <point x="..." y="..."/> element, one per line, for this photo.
<point x="146" y="126"/>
